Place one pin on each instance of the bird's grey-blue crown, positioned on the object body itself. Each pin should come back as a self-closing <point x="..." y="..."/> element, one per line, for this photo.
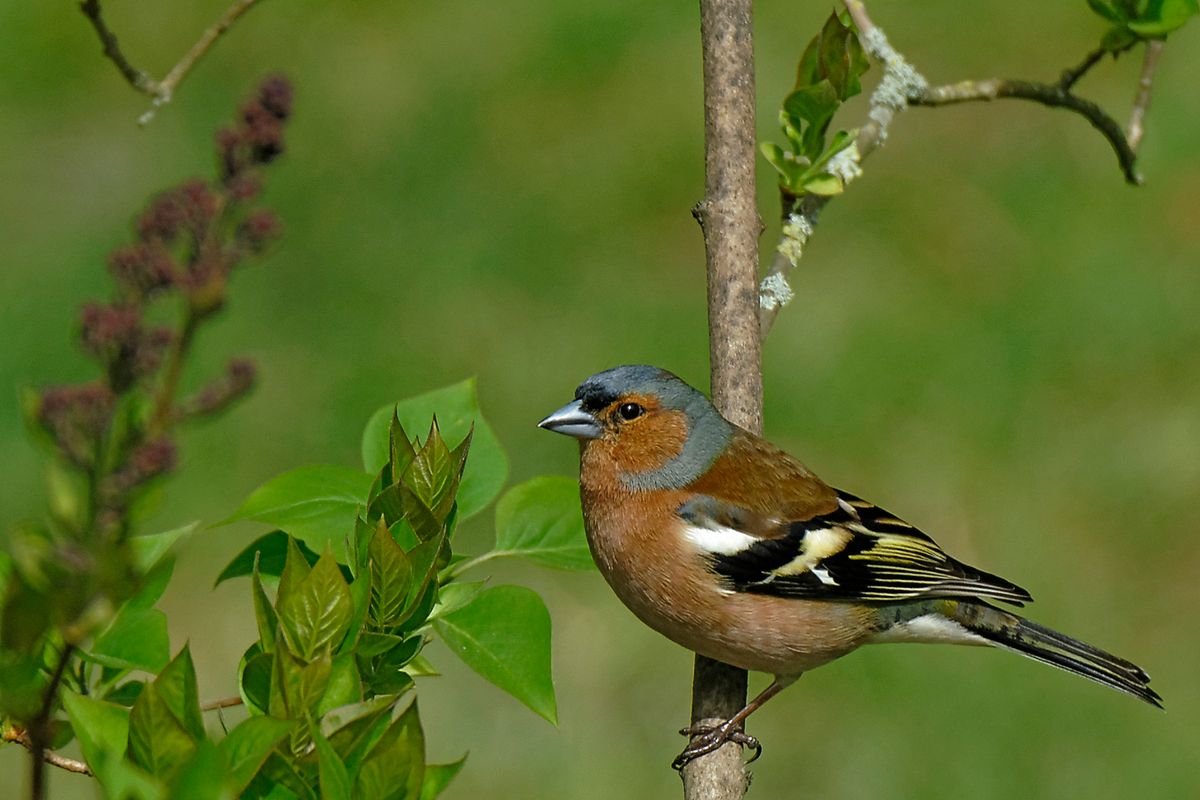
<point x="708" y="432"/>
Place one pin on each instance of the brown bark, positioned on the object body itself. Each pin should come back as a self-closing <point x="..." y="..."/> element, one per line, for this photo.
<point x="731" y="228"/>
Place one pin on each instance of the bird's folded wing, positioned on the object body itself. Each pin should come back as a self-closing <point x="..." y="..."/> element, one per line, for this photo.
<point x="855" y="552"/>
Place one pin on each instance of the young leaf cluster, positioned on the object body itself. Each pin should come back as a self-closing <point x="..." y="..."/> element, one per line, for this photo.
<point x="359" y="576"/>
<point x="1140" y="20"/>
<point x="342" y="641"/>
<point x="827" y="76"/>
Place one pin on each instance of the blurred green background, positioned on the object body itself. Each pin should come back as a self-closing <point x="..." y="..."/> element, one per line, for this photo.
<point x="993" y="336"/>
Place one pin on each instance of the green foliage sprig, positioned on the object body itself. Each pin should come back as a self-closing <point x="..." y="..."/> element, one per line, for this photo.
<point x="827" y="76"/>
<point x="364" y="574"/>
<point x="1141" y="20"/>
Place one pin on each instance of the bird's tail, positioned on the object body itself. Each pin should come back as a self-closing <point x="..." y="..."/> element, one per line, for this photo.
<point x="1010" y="632"/>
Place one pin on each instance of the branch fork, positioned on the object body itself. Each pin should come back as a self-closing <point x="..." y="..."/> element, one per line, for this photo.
<point x="160" y="92"/>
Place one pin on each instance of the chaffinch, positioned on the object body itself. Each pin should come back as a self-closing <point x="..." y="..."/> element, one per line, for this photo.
<point x="732" y="548"/>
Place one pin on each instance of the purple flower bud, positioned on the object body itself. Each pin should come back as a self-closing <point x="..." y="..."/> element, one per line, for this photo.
<point x="142" y="270"/>
<point x="230" y="152"/>
<point x="223" y="391"/>
<point x="258" y="230"/>
<point x="76" y="417"/>
<point x="244" y="186"/>
<point x="153" y="458"/>
<point x="107" y="330"/>
<point x="275" y="94"/>
<point x="163" y="220"/>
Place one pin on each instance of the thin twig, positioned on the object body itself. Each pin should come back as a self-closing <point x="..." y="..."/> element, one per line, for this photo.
<point x="112" y="51"/>
<point x="164" y="401"/>
<point x="160" y="92"/>
<point x="223" y="702"/>
<point x="37" y="730"/>
<point x="1047" y="94"/>
<point x="1072" y="75"/>
<point x="18" y="736"/>
<point x="1141" y="101"/>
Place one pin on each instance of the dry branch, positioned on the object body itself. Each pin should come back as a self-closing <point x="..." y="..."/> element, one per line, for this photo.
<point x="160" y="92"/>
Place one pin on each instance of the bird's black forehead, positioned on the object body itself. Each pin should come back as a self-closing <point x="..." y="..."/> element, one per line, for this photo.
<point x="595" y="396"/>
<point x="605" y="388"/>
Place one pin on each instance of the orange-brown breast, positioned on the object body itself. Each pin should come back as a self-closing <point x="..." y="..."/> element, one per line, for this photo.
<point x="638" y="543"/>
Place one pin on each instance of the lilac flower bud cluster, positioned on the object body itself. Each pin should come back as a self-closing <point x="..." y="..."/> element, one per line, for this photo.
<point x="186" y="243"/>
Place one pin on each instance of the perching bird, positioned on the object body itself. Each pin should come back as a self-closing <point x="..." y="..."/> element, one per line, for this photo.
<point x="732" y="548"/>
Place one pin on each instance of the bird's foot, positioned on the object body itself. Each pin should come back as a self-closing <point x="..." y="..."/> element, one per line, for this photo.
<point x="707" y="738"/>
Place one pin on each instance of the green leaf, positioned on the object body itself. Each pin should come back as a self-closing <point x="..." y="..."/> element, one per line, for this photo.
<point x="317" y="504"/>
<point x="824" y="184"/>
<point x="23" y="617"/>
<point x="271" y="550"/>
<point x="352" y="730"/>
<point x="391" y="577"/>
<point x="360" y="597"/>
<point x="835" y="58"/>
<point x="334" y="781"/>
<point x="264" y="613"/>
<point x="423" y="588"/>
<point x="281" y="779"/>
<point x="1117" y="39"/>
<point x="120" y="778"/>
<point x="176" y="685"/>
<point x="344" y="687"/>
<point x="136" y="639"/>
<point x="1106" y="10"/>
<point x="296" y="687"/>
<point x="790" y="170"/>
<point x="395" y="767"/>
<point x="504" y="635"/>
<point x="102" y="728"/>
<point x="202" y="778"/>
<point x="316" y="613"/>
<point x="247" y="746"/>
<point x="438" y="777"/>
<point x="126" y="694"/>
<point x="457" y="410"/>
<point x="541" y="520"/>
<point x="421" y="667"/>
<point x="374" y="644"/>
<point x="153" y="584"/>
<point x="254" y="678"/>
<point x="158" y="741"/>
<point x="148" y="550"/>
<point x="400" y="448"/>
<point x="295" y="572"/>
<point x="433" y="476"/>
<point x="66" y="495"/>
<point x="1164" y="17"/>
<point x="455" y="595"/>
<point x="21" y="683"/>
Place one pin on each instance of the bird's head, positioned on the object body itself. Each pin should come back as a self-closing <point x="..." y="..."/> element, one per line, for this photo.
<point x="653" y="429"/>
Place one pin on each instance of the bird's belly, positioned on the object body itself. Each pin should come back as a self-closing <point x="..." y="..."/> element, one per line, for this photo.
<point x="752" y="631"/>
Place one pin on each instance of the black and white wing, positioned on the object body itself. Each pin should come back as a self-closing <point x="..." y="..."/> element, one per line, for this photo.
<point x="857" y="552"/>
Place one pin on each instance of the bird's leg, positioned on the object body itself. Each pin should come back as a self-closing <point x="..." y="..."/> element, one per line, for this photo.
<point x="707" y="738"/>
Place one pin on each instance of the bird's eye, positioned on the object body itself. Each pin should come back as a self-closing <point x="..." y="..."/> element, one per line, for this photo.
<point x="630" y="411"/>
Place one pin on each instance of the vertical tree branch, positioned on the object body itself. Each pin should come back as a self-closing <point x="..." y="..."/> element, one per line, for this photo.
<point x="731" y="228"/>
<point x="1141" y="101"/>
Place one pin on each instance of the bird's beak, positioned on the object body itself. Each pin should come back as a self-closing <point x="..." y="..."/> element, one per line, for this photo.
<point x="572" y="420"/>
